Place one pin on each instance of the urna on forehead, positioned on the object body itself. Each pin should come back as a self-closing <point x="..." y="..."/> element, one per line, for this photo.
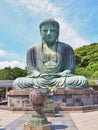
<point x="54" y="22"/>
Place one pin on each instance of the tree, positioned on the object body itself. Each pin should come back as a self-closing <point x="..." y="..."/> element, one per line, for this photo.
<point x="10" y="74"/>
<point x="87" y="60"/>
<point x="19" y="72"/>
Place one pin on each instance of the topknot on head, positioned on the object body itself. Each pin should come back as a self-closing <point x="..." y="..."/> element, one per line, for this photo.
<point x="49" y="21"/>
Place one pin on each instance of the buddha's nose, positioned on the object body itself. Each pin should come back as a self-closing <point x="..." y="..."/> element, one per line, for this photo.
<point x="48" y="33"/>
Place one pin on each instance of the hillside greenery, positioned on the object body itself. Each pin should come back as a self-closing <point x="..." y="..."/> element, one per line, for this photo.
<point x="9" y="73"/>
<point x="87" y="60"/>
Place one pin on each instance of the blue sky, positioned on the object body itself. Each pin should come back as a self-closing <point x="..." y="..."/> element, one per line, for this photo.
<point x="20" y="19"/>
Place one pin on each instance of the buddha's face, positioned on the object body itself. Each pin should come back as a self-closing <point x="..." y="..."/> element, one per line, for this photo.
<point x="49" y="33"/>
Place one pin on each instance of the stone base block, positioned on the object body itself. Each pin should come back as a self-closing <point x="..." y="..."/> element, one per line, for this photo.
<point x="42" y="127"/>
<point x="18" y="100"/>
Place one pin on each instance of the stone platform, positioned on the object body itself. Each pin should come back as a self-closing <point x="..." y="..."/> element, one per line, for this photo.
<point x="12" y="120"/>
<point x="62" y="99"/>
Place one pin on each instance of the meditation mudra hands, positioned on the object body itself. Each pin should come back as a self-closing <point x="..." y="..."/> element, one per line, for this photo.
<point x="50" y="63"/>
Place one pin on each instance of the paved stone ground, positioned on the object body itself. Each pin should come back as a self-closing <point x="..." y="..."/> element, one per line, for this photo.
<point x="6" y="117"/>
<point x="63" y="121"/>
<point x="86" y="121"/>
<point x="59" y="122"/>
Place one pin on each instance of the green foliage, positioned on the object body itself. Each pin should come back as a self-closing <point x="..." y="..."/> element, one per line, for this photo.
<point x="2" y="91"/>
<point x="10" y="74"/>
<point x="91" y="82"/>
<point x="19" y="72"/>
<point x="87" y="60"/>
<point x="95" y="74"/>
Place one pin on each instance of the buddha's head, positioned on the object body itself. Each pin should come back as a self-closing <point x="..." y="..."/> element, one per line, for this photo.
<point x="49" y="30"/>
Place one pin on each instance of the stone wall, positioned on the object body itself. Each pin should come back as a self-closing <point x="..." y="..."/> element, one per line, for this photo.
<point x="61" y="99"/>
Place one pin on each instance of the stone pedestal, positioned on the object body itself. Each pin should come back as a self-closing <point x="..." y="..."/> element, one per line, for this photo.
<point x="61" y="100"/>
<point x="42" y="127"/>
<point x="74" y="97"/>
<point x="19" y="98"/>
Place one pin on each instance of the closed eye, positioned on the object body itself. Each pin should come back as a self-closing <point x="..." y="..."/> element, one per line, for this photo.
<point x="45" y="30"/>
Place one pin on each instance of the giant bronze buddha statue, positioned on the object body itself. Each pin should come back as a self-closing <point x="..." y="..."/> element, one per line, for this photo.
<point x="50" y="63"/>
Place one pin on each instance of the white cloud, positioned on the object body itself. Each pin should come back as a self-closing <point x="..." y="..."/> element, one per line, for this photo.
<point x="2" y="53"/>
<point x="35" y="6"/>
<point x="44" y="7"/>
<point x="9" y="55"/>
<point x="69" y="35"/>
<point x="8" y="59"/>
<point x="11" y="64"/>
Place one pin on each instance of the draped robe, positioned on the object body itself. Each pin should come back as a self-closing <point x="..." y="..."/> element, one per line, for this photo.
<point x="53" y="68"/>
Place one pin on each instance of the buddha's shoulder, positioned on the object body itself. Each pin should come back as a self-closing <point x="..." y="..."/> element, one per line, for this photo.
<point x="63" y="45"/>
<point x="35" y="47"/>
